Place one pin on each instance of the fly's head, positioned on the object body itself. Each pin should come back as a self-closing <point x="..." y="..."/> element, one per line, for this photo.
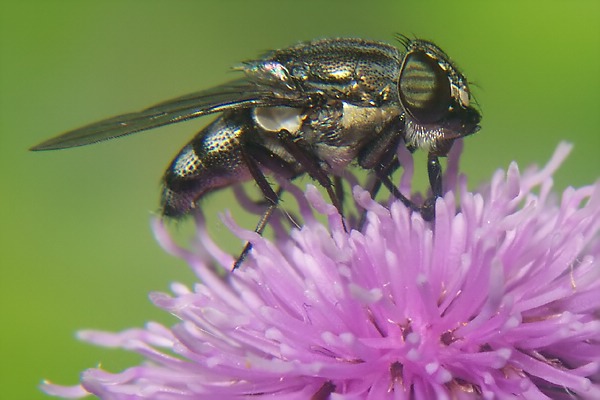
<point x="436" y="99"/>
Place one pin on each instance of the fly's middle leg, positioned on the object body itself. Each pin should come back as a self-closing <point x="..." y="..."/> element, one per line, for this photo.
<point x="312" y="167"/>
<point x="380" y="156"/>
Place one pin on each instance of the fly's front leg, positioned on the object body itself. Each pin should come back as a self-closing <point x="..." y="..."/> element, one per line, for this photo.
<point x="434" y="170"/>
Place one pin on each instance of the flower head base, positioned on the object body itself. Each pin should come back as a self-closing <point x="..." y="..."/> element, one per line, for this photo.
<point x="498" y="300"/>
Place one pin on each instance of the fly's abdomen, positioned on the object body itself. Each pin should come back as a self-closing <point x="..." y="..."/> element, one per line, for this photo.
<point x="212" y="160"/>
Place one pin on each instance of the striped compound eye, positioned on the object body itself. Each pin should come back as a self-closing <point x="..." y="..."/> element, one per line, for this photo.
<point x="425" y="86"/>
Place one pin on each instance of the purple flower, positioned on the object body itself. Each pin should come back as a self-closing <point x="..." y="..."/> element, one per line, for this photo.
<point x="500" y="299"/>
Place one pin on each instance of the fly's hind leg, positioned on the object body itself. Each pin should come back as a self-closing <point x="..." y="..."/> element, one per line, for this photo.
<point x="260" y="227"/>
<point x="254" y="156"/>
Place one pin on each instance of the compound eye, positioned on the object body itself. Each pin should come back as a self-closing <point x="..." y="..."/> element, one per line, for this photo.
<point x="424" y="88"/>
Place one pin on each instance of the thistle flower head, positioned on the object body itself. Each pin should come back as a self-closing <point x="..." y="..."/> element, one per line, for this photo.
<point x="498" y="298"/>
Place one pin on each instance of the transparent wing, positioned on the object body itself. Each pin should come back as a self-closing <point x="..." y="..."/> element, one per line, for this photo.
<point x="234" y="95"/>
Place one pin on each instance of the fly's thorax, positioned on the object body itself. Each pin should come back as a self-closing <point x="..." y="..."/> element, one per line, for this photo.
<point x="334" y="132"/>
<point x="351" y="69"/>
<point x="358" y="126"/>
<point x="364" y="123"/>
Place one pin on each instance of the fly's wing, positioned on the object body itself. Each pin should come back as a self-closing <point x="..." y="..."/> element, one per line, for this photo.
<point x="238" y="94"/>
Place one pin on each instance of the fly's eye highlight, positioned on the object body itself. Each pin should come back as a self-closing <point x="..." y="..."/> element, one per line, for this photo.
<point x="424" y="87"/>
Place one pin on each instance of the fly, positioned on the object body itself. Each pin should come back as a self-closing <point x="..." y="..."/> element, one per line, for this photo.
<point x="312" y="108"/>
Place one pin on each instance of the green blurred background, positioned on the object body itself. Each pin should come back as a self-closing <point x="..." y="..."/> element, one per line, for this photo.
<point x="76" y="250"/>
